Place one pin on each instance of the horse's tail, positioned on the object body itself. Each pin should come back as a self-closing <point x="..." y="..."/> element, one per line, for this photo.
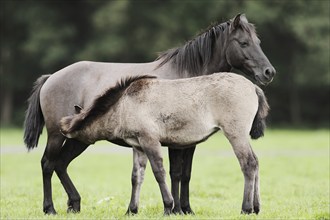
<point x="259" y="122"/>
<point x="34" y="120"/>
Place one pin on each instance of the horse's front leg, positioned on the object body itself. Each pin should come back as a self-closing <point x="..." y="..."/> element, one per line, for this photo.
<point x="180" y="171"/>
<point x="188" y="154"/>
<point x="139" y="165"/>
<point x="152" y="148"/>
<point x="176" y="160"/>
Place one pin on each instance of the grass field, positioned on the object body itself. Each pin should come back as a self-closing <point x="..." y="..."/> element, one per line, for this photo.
<point x="294" y="173"/>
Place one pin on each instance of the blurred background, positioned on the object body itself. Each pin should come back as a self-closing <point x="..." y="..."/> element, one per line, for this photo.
<point x="41" y="37"/>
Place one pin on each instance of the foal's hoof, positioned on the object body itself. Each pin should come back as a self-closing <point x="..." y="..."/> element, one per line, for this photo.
<point x="256" y="210"/>
<point x="131" y="211"/>
<point x="167" y="211"/>
<point x="246" y="211"/>
<point x="187" y="210"/>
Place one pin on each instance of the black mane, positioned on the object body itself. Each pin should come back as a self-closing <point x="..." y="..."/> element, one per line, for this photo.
<point x="105" y="101"/>
<point x="196" y="53"/>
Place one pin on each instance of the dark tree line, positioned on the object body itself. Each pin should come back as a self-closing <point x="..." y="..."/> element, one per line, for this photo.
<point x="41" y="37"/>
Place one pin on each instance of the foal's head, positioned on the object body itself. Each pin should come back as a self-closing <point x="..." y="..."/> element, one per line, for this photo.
<point x="87" y="125"/>
<point x="244" y="53"/>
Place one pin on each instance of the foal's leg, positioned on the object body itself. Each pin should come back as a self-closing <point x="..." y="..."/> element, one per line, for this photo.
<point x="188" y="154"/>
<point x="71" y="149"/>
<point x="256" y="199"/>
<point x="53" y="147"/>
<point x="153" y="150"/>
<point x="139" y="165"/>
<point x="249" y="166"/>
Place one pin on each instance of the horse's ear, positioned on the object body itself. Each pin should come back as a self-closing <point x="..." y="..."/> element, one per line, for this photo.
<point x="77" y="109"/>
<point x="238" y="20"/>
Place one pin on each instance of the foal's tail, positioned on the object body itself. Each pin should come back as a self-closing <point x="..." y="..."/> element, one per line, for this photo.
<point x="259" y="122"/>
<point x="34" y="120"/>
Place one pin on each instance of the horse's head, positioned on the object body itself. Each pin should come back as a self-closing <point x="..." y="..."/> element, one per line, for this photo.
<point x="244" y="53"/>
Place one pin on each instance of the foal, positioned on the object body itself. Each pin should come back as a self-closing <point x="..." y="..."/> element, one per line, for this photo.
<point x="147" y="113"/>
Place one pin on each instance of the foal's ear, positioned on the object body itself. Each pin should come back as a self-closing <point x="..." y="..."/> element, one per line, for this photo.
<point x="238" y="20"/>
<point x="77" y="109"/>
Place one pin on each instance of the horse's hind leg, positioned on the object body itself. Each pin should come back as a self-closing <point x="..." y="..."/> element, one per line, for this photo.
<point x="139" y="165"/>
<point x="70" y="150"/>
<point x="249" y="166"/>
<point x="53" y="147"/>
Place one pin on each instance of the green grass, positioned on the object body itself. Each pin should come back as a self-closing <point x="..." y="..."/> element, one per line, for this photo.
<point x="294" y="172"/>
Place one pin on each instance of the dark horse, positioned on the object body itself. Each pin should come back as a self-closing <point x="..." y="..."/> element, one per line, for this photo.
<point x="177" y="113"/>
<point x="232" y="44"/>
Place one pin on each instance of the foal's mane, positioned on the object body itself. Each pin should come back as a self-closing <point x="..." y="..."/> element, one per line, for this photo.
<point x="197" y="53"/>
<point x="104" y="102"/>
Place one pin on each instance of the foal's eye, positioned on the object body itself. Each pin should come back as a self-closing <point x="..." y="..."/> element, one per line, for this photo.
<point x="244" y="44"/>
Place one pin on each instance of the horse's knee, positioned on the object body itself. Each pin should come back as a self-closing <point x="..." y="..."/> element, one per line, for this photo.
<point x="175" y="175"/>
<point x="176" y="170"/>
<point x="185" y="178"/>
<point x="47" y="167"/>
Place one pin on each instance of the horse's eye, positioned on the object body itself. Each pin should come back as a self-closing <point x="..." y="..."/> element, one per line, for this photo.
<point x="244" y="44"/>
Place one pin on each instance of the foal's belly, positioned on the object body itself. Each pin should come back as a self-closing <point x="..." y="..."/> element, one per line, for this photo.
<point x="183" y="139"/>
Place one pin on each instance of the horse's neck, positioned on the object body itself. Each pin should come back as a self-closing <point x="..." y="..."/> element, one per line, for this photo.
<point x="166" y="71"/>
<point x="218" y="63"/>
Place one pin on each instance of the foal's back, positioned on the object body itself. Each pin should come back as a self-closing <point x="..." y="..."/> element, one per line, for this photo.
<point x="187" y="111"/>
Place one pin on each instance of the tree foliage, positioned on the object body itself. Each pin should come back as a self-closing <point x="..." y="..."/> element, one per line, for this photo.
<point x="41" y="37"/>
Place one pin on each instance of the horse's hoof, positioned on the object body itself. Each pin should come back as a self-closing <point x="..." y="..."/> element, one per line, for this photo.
<point x="177" y="211"/>
<point x="73" y="206"/>
<point x="50" y="211"/>
<point x="187" y="210"/>
<point x="72" y="210"/>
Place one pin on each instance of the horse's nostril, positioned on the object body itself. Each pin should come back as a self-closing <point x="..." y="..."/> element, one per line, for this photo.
<point x="270" y="72"/>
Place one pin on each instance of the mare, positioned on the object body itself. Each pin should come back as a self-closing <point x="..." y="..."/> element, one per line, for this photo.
<point x="177" y="113"/>
<point x="232" y="44"/>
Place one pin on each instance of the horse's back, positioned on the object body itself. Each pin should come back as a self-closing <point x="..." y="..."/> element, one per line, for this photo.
<point x="79" y="84"/>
